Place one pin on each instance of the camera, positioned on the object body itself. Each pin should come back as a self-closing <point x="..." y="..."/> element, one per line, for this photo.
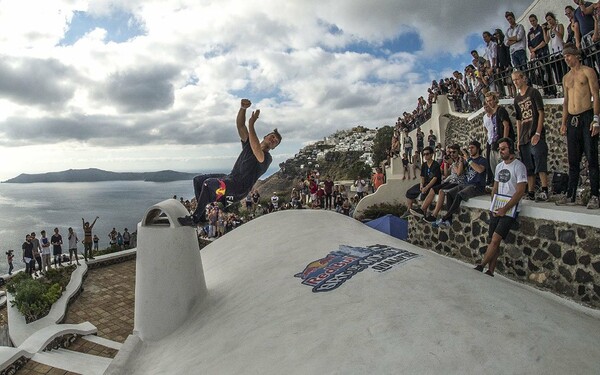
<point x="9" y="252"/>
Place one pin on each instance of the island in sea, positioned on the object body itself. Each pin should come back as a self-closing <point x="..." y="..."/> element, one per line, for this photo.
<point x="95" y="175"/>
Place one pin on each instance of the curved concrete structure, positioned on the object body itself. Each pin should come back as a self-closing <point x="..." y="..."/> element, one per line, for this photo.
<point x="283" y="298"/>
<point x="169" y="278"/>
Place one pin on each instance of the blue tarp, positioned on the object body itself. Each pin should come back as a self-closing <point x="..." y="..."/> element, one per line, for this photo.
<point x="392" y="225"/>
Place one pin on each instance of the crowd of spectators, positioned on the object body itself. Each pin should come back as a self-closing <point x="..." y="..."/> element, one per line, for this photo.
<point x="40" y="254"/>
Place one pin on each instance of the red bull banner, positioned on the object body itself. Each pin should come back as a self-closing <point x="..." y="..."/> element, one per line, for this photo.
<point x="339" y="266"/>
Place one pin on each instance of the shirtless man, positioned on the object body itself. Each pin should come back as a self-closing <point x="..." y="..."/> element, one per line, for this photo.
<point x="580" y="123"/>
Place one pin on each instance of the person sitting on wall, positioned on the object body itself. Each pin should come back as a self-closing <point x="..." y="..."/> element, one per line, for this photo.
<point x="431" y="176"/>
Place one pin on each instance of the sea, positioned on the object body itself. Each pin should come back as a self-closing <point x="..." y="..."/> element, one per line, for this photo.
<point x="26" y="208"/>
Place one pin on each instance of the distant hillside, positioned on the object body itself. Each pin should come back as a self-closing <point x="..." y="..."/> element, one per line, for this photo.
<point x="95" y="175"/>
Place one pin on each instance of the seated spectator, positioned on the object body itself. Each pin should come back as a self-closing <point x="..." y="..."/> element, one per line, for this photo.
<point x="430" y="176"/>
<point x="453" y="170"/>
<point x="474" y="185"/>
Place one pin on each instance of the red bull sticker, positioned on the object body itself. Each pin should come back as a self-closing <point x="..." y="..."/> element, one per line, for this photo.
<point x="339" y="266"/>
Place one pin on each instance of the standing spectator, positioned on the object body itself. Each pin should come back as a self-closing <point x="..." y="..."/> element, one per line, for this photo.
<point x="275" y="201"/>
<point x="28" y="255"/>
<point x="112" y="238"/>
<point x="96" y="240"/>
<point x="538" y="50"/>
<point x="431" y="176"/>
<point x="405" y="166"/>
<point x="87" y="238"/>
<point x="515" y="40"/>
<point x="416" y="164"/>
<point x="573" y="35"/>
<point x="57" y="242"/>
<point x="73" y="240"/>
<point x="46" y="264"/>
<point x="580" y="123"/>
<point x="420" y="140"/>
<point x="498" y="125"/>
<point x="321" y="196"/>
<point x="255" y="200"/>
<point x="10" y="256"/>
<point x="510" y="181"/>
<point x="378" y="178"/>
<point x="474" y="185"/>
<point x="431" y="139"/>
<point x="328" y="192"/>
<point x="585" y="21"/>
<point x="503" y="64"/>
<point x="119" y="240"/>
<point x="553" y="35"/>
<point x="407" y="143"/>
<point x="126" y="238"/>
<point x="531" y="134"/>
<point x="491" y="49"/>
<point x="360" y="185"/>
<point x="37" y="249"/>
<point x="295" y="199"/>
<point x="249" y="202"/>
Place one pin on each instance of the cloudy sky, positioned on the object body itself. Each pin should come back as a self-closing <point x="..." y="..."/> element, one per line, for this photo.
<point x="134" y="85"/>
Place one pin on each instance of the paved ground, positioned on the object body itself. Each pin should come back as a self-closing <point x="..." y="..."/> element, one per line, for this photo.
<point x="107" y="302"/>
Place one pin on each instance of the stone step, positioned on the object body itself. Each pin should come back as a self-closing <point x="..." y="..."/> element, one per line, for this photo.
<point x="71" y="361"/>
<point x="102" y="341"/>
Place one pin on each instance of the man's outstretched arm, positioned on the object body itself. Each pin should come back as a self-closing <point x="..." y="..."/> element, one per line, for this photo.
<point x="241" y="120"/>
<point x="253" y="138"/>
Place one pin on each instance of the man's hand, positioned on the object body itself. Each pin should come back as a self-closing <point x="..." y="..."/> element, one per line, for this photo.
<point x="594" y="128"/>
<point x="246" y="103"/>
<point x="501" y="211"/>
<point x="563" y="129"/>
<point x="254" y="116"/>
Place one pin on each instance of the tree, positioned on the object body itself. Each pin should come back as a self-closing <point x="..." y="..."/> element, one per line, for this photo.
<point x="382" y="143"/>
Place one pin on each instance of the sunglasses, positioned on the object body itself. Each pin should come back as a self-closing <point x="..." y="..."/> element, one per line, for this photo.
<point x="426" y="153"/>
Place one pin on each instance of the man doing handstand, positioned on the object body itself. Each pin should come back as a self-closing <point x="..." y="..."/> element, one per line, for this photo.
<point x="253" y="162"/>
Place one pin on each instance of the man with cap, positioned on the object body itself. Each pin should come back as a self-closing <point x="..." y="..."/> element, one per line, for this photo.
<point x="580" y="123"/>
<point x="253" y="162"/>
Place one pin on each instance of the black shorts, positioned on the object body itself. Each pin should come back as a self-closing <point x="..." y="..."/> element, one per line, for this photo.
<point x="535" y="157"/>
<point x="415" y="191"/>
<point x="501" y="225"/>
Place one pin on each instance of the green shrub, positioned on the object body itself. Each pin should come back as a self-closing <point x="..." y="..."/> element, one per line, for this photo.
<point x="34" y="297"/>
<point x="382" y="209"/>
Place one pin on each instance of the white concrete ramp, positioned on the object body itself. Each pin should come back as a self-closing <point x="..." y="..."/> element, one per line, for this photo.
<point x="385" y="313"/>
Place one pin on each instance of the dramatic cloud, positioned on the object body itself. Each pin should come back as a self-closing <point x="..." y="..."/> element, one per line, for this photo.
<point x="134" y="73"/>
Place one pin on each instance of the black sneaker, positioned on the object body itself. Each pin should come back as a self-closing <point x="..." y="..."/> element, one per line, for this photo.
<point x="187" y="221"/>
<point x="418" y="212"/>
<point x="430" y="218"/>
<point x="479" y="268"/>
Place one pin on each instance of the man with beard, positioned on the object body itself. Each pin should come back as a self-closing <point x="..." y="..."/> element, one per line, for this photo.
<point x="510" y="182"/>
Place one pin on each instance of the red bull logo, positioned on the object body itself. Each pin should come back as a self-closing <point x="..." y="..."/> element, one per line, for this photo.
<point x="339" y="266"/>
<point x="221" y="190"/>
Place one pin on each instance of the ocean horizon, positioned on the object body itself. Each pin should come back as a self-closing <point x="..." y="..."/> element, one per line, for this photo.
<point x="33" y="207"/>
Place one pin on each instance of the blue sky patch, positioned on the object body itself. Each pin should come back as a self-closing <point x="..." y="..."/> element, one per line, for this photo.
<point x="120" y="27"/>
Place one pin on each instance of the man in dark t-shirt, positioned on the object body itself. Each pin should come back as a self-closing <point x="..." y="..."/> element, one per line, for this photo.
<point x="431" y="176"/>
<point x="253" y="162"/>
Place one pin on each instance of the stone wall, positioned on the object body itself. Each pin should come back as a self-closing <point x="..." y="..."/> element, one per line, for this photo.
<point x="559" y="257"/>
<point x="552" y="255"/>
